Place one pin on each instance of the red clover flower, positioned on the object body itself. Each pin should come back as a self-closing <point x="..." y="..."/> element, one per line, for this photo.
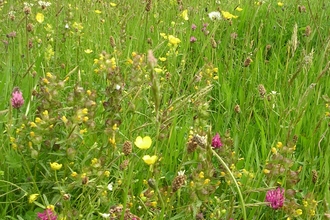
<point x="216" y="141"/>
<point x="17" y="99"/>
<point x="48" y="214"/>
<point x="275" y="198"/>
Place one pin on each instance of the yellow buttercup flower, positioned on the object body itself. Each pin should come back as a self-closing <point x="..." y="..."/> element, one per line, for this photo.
<point x="143" y="143"/>
<point x="173" y="40"/>
<point x="33" y="197"/>
<point x="280" y="4"/>
<point x="184" y="15"/>
<point x="227" y="15"/>
<point x="149" y="160"/>
<point x="40" y="17"/>
<point x="55" y="166"/>
<point x="113" y="4"/>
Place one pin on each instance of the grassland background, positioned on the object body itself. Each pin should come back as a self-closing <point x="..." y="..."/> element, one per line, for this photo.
<point x="295" y="65"/>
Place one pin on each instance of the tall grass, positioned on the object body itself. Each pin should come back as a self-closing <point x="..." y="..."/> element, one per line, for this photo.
<point x="95" y="75"/>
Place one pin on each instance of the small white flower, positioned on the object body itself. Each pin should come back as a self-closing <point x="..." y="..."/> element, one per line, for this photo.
<point x="274" y="93"/>
<point x="117" y="87"/>
<point x="105" y="215"/>
<point x="181" y="172"/>
<point x="66" y="26"/>
<point x="215" y="15"/>
<point x="26" y="4"/>
<point x="110" y="186"/>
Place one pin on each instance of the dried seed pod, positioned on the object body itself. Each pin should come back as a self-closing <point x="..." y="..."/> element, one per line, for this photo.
<point x="314" y="176"/>
<point x="148" y="6"/>
<point x="262" y="90"/>
<point x="127" y="148"/>
<point x="178" y="182"/>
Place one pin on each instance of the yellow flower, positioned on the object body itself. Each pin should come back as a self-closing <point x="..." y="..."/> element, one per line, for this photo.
<point x="33" y="197"/>
<point x="149" y="160"/>
<point x="279" y="144"/>
<point x="113" y="4"/>
<point x="173" y="40"/>
<point x="106" y="173"/>
<point x="239" y="9"/>
<point x="40" y="17"/>
<point x="88" y="51"/>
<point x="64" y="119"/>
<point x="162" y="58"/>
<point x="298" y="212"/>
<point x="74" y="174"/>
<point x="143" y="143"/>
<point x="274" y="151"/>
<point x="51" y="207"/>
<point x="266" y="171"/>
<point x="227" y="15"/>
<point x="97" y="11"/>
<point x="184" y="15"/>
<point x="55" y="166"/>
<point x="280" y="4"/>
<point x="158" y="70"/>
<point x="163" y="35"/>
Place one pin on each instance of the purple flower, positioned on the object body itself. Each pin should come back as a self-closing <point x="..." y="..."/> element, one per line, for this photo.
<point x="48" y="214"/>
<point x="17" y="99"/>
<point x="275" y="198"/>
<point x="216" y="141"/>
<point x="193" y="39"/>
<point x="193" y="27"/>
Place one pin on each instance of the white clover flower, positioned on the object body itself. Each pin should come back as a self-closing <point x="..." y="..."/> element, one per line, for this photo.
<point x="215" y="15"/>
<point x="110" y="186"/>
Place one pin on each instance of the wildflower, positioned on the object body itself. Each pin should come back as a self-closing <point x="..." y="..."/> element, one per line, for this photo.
<point x="106" y="173"/>
<point x="193" y="27"/>
<point x="33" y="197"/>
<point x="184" y="15"/>
<point x="280" y="4"/>
<point x="216" y="141"/>
<point x="55" y="166"/>
<point x="17" y="99"/>
<point x="215" y="15"/>
<point x="149" y="160"/>
<point x="48" y="214"/>
<point x="239" y="9"/>
<point x="298" y="212"/>
<point x="97" y="11"/>
<point x="193" y="39"/>
<point x="227" y="15"/>
<point x="40" y="17"/>
<point x="143" y="143"/>
<point x="275" y="198"/>
<point x="173" y="40"/>
<point x="88" y="51"/>
<point x="105" y="215"/>
<point x="113" y="4"/>
<point x="110" y="186"/>
<point x="279" y="144"/>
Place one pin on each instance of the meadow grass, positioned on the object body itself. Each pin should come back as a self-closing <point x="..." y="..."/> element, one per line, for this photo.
<point x="123" y="101"/>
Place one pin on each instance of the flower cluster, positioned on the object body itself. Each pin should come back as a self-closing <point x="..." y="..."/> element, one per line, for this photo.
<point x="17" y="99"/>
<point x="275" y="198"/>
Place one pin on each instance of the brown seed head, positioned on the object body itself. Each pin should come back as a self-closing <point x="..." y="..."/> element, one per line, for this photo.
<point x="262" y="90"/>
